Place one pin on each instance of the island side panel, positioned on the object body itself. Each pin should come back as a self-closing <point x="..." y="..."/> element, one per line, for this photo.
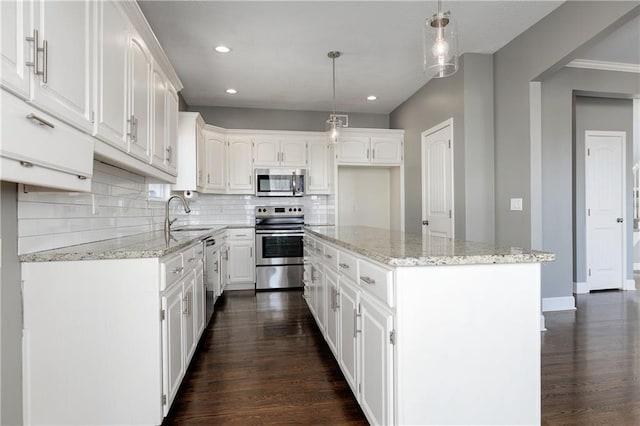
<point x="468" y="344"/>
<point x="92" y="342"/>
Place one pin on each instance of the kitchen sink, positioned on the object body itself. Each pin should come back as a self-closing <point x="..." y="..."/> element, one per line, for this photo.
<point x="189" y="229"/>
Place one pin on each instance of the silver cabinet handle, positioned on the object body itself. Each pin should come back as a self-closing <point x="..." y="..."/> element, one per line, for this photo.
<point x="343" y="265"/>
<point x="132" y="129"/>
<point x="34" y="64"/>
<point x="215" y="269"/>
<point x="168" y="154"/>
<point x="373" y="154"/>
<point x="328" y="256"/>
<point x="82" y="177"/>
<point x="178" y="270"/>
<point x="619" y="220"/>
<point x="337" y="300"/>
<point x="333" y="299"/>
<point x="26" y="164"/>
<point x="200" y="252"/>
<point x="250" y="251"/>
<point x="367" y="153"/>
<point x="40" y="120"/>
<point x="367" y="280"/>
<point x="191" y="259"/>
<point x="185" y="304"/>
<point x="45" y="60"/>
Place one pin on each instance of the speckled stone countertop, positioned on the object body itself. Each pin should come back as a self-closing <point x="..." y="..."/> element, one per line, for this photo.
<point x="396" y="248"/>
<point x="145" y="245"/>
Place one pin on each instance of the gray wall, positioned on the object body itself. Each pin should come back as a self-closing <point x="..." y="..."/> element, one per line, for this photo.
<point x="467" y="97"/>
<point x="10" y="310"/>
<point x="274" y="119"/>
<point x="560" y="156"/>
<point x="543" y="48"/>
<point x="600" y="114"/>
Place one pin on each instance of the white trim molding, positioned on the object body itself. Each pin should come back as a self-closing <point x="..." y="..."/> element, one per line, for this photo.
<point x="567" y="303"/>
<point x="535" y="153"/>
<point x="580" y="288"/>
<point x="604" y="65"/>
<point x="629" y="285"/>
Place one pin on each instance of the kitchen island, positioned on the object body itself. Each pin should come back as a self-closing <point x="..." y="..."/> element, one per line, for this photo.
<point x="429" y="330"/>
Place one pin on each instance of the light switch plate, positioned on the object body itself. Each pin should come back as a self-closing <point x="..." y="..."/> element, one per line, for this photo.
<point x="516" y="204"/>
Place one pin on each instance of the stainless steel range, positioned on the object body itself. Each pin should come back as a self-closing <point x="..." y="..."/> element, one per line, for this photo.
<point x="279" y="254"/>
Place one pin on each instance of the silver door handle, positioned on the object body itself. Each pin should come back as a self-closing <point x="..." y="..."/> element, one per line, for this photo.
<point x="373" y="154"/>
<point x="425" y="222"/>
<point x="328" y="256"/>
<point x="45" y="60"/>
<point x="215" y="269"/>
<point x="169" y="154"/>
<point x="619" y="220"/>
<point x="40" y="120"/>
<point x="343" y="265"/>
<point x="177" y="270"/>
<point x="192" y="259"/>
<point x="33" y="64"/>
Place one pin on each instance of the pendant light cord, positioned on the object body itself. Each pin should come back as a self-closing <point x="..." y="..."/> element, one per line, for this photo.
<point x="334" y="85"/>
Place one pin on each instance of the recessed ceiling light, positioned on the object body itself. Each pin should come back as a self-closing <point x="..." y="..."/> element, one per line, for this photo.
<point x="231" y="91"/>
<point x="372" y="98"/>
<point x="222" y="49"/>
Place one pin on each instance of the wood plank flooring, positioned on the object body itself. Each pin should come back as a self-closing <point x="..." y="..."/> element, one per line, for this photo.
<point x="263" y="361"/>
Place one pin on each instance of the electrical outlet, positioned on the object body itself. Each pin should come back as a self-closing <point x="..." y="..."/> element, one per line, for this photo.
<point x="516" y="204"/>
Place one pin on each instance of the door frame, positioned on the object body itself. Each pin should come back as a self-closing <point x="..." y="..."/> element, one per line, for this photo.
<point x="587" y="134"/>
<point x="423" y="135"/>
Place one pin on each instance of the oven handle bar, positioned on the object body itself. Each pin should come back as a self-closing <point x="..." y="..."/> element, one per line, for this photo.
<point x="281" y="233"/>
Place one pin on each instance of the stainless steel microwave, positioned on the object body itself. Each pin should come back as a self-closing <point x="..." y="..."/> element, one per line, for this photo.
<point x="280" y="182"/>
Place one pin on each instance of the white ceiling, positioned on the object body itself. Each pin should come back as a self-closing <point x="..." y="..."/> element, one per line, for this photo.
<point x="279" y="57"/>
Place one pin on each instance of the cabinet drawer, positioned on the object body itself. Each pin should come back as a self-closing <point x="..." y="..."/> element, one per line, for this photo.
<point x="47" y="143"/>
<point x="190" y="257"/>
<point x="348" y="265"/>
<point x="331" y="257"/>
<point x="376" y="280"/>
<point x="241" y="234"/>
<point x="171" y="270"/>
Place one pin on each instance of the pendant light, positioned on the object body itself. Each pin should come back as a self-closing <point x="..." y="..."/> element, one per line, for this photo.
<point x="335" y="121"/>
<point x="440" y="48"/>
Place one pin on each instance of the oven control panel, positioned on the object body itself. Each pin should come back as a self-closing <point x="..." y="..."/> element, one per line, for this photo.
<point x="275" y="211"/>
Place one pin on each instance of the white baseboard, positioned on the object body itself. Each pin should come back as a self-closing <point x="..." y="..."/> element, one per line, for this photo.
<point x="629" y="285"/>
<point x="580" y="288"/>
<point x="240" y="286"/>
<point x="542" y="323"/>
<point x="567" y="303"/>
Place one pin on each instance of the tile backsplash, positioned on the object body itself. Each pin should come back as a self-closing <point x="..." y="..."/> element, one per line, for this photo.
<point x="119" y="205"/>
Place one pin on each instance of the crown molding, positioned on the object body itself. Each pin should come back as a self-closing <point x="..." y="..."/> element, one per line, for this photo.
<point x="604" y="65"/>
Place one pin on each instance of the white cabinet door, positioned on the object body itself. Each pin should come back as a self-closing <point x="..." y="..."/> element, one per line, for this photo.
<point x="199" y="300"/>
<point x="267" y="151"/>
<point x="15" y="51"/>
<point x="331" y="330"/>
<point x="224" y="267"/>
<point x="293" y="152"/>
<point x="158" y="136"/>
<point x="353" y="149"/>
<point x="318" y="168"/>
<point x="201" y="158"/>
<point x="171" y="130"/>
<point x="348" y="345"/>
<point x="112" y="49"/>
<point x="66" y="30"/>
<point x="139" y="107"/>
<point x="189" y="328"/>
<point x="214" y="171"/>
<point x="376" y="362"/>
<point x="319" y="297"/>
<point x="240" y="162"/>
<point x="173" y="349"/>
<point x="241" y="262"/>
<point x="386" y="150"/>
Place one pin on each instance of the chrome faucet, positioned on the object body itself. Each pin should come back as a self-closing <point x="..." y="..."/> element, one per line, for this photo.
<point x="167" y="221"/>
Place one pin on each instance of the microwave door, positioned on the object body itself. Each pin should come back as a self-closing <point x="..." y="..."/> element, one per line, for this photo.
<point x="293" y="184"/>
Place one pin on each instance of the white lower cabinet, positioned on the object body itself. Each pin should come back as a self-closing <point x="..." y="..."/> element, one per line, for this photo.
<point x="241" y="258"/>
<point x="357" y="321"/>
<point x="129" y="327"/>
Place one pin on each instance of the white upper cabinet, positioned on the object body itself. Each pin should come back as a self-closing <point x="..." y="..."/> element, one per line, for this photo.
<point x="240" y="162"/>
<point x="371" y="146"/>
<point x="112" y="50"/>
<point x="159" y="85"/>
<point x="215" y="167"/>
<point x="318" y="169"/>
<point x="171" y="130"/>
<point x="48" y="60"/>
<point x="14" y="29"/>
<point x="276" y="151"/>
<point x="139" y="106"/>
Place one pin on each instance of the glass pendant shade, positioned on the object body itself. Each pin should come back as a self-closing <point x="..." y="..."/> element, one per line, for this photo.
<point x="440" y="48"/>
<point x="334" y="125"/>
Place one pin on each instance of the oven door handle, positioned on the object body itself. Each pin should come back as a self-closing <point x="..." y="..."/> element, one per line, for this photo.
<point x="280" y="234"/>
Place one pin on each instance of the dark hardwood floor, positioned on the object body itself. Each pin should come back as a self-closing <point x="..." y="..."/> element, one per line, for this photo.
<point x="262" y="360"/>
<point x="591" y="362"/>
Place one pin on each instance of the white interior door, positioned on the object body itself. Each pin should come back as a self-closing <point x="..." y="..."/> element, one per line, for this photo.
<point x="604" y="196"/>
<point x="437" y="180"/>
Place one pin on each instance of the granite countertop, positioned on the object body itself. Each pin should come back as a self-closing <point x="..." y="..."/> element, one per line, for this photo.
<point x="145" y="245"/>
<point x="397" y="248"/>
